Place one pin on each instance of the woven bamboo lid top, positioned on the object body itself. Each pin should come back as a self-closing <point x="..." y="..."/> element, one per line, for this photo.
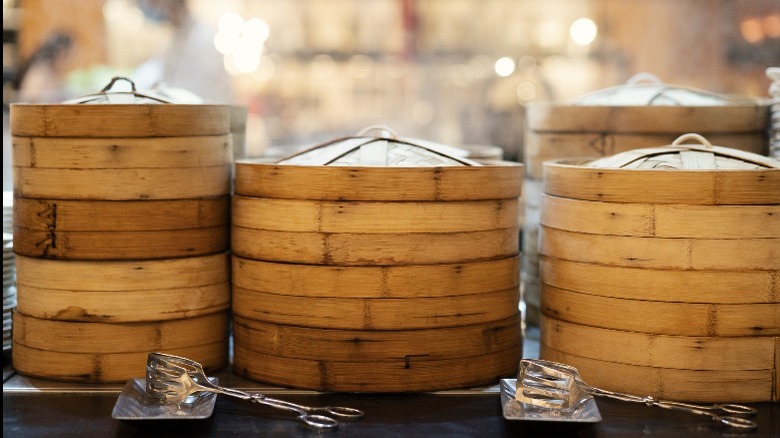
<point x="686" y="156"/>
<point x="648" y="90"/>
<point x="379" y="146"/>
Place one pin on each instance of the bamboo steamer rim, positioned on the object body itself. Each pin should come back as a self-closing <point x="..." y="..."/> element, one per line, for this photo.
<point x="662" y="285"/>
<point x="121" y="116"/>
<point x="404" y="374"/>
<point x="372" y="345"/>
<point x="659" y="350"/>
<point x="106" y="367"/>
<point x="375" y="313"/>
<point x="711" y="386"/>
<point x="99" y="337"/>
<point x="670" y="318"/>
<point x="442" y="280"/>
<point x="125" y="306"/>
<point x="123" y="275"/>
<point x="493" y="180"/>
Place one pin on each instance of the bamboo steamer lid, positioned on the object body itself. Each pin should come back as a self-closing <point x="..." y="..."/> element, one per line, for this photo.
<point x="119" y="114"/>
<point x="380" y="167"/>
<point x="90" y="351"/>
<point x="117" y="145"/>
<point x="643" y="112"/>
<point x="676" y="174"/>
<point x="123" y="291"/>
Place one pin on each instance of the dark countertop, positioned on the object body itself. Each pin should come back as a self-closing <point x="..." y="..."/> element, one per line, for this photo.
<point x="40" y="408"/>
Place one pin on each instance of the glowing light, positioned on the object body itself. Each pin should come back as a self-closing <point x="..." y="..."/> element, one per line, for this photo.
<point x="526" y="91"/>
<point x="583" y="31"/>
<point x="231" y="23"/>
<point x="226" y="42"/>
<point x="751" y="30"/>
<point x="256" y="30"/>
<point x="247" y="57"/>
<point x="504" y="66"/>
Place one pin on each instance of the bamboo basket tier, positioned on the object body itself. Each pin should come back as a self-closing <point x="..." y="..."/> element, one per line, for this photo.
<point x="664" y="262"/>
<point x="123" y="291"/>
<point x="403" y="243"/>
<point x="102" y="353"/>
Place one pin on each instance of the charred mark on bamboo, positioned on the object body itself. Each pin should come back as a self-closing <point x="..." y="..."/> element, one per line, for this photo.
<point x="408" y="359"/>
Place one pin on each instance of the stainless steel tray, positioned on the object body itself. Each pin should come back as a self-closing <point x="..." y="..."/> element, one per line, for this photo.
<point x="134" y="404"/>
<point x="585" y="412"/>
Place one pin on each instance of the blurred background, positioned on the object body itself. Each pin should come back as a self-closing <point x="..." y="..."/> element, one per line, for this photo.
<point x="452" y="71"/>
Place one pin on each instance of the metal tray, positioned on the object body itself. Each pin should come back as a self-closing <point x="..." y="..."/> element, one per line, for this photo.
<point x="134" y="404"/>
<point x="585" y="412"/>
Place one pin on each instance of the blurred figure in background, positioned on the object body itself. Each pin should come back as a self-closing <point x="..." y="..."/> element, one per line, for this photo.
<point x="41" y="79"/>
<point x="190" y="61"/>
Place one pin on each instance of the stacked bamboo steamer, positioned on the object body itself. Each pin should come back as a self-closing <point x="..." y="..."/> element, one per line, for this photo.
<point x="643" y="113"/>
<point x="376" y="263"/>
<point x="121" y="223"/>
<point x="659" y="271"/>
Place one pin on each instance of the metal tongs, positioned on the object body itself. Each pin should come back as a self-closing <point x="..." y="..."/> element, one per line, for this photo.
<point x="559" y="387"/>
<point x="172" y="379"/>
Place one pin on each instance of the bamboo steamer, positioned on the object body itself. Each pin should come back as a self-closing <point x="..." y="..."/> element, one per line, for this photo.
<point x="643" y="113"/>
<point x="663" y="262"/>
<point x="89" y="351"/>
<point x="398" y="242"/>
<point x="121" y="223"/>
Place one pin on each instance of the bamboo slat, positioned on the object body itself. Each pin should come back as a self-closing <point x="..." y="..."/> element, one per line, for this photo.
<point x="567" y="178"/>
<point x="661" y="220"/>
<point x="122" y="184"/>
<point x="665" y="285"/>
<point x="374" y="249"/>
<point x="107" y="367"/>
<point x="153" y="120"/>
<point x="377" y="345"/>
<point x="662" y="253"/>
<point x="122" y="306"/>
<point x="411" y="281"/>
<point x="659" y="350"/>
<point x="120" y="276"/>
<point x="402" y="374"/>
<point x="375" y="313"/>
<point x="146" y="215"/>
<point x="96" y="337"/>
<point x="373" y="217"/>
<point x="668" y="318"/>
<point x="651" y="119"/>
<point x="712" y="386"/>
<point x="126" y="245"/>
<point x="542" y="146"/>
<point x="350" y="183"/>
<point x="122" y="153"/>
